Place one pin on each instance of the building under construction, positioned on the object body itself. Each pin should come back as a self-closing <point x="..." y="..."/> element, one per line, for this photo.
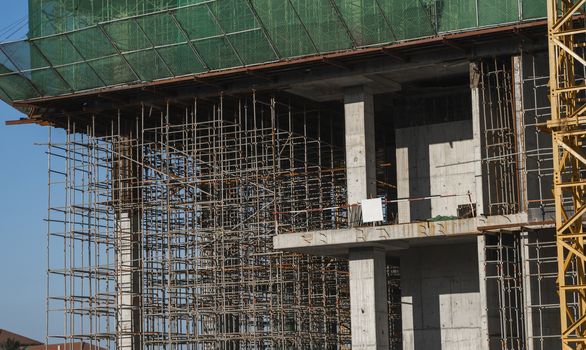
<point x="310" y="174"/>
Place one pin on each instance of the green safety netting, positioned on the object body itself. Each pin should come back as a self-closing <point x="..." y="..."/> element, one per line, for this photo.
<point x="77" y="45"/>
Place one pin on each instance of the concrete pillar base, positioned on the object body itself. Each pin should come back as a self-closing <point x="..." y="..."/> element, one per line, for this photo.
<point x="368" y="298"/>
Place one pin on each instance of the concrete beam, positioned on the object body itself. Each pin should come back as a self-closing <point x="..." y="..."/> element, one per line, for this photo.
<point x="396" y="237"/>
<point x="368" y="299"/>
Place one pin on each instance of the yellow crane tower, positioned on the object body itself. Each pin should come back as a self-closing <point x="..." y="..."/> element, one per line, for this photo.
<point x="567" y="66"/>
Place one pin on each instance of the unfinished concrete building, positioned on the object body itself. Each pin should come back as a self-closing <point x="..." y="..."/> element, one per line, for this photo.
<point x="294" y="174"/>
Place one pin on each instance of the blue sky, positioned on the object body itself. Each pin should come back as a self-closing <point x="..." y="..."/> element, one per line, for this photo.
<point x="23" y="206"/>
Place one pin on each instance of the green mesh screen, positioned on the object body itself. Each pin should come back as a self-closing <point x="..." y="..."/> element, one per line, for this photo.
<point x="77" y="45"/>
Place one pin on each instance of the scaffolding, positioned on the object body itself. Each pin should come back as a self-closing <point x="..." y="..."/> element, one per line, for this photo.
<point x="161" y="220"/>
<point x="538" y="250"/>
<point x="504" y="280"/>
<point x="499" y="138"/>
<point x="394" y="304"/>
<point x="537" y="155"/>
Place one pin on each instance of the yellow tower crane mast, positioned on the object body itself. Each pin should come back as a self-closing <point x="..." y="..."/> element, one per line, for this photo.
<point x="567" y="65"/>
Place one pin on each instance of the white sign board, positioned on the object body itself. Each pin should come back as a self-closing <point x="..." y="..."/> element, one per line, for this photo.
<point x="372" y="210"/>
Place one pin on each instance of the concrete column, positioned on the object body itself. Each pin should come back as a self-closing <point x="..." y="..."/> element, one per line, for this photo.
<point x="368" y="299"/>
<point x="482" y="288"/>
<point x="126" y="261"/>
<point x="527" y="290"/>
<point x="478" y="138"/>
<point x="520" y="131"/>
<point x="368" y="277"/>
<point x="360" y="146"/>
<point x="128" y="250"/>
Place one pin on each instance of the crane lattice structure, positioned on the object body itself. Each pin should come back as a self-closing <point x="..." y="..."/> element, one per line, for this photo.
<point x="566" y="33"/>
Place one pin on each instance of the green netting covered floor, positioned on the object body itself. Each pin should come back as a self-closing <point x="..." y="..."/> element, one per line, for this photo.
<point x="78" y="45"/>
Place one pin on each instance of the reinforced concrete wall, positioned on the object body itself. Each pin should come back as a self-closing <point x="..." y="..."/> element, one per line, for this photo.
<point x="440" y="297"/>
<point x="435" y="161"/>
